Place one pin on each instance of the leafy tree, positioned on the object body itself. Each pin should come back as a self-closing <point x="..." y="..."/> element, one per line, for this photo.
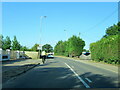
<point x="75" y="45"/>
<point x="85" y="50"/>
<point x="24" y="48"/>
<point x="1" y="41"/>
<point x="15" y="44"/>
<point x="118" y="26"/>
<point x="59" y="48"/>
<point x="6" y="43"/>
<point x="47" y="48"/>
<point x="65" y="48"/>
<point x="112" y="30"/>
<point x="35" y="47"/>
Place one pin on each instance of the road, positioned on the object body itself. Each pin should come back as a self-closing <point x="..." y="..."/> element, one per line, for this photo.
<point x="65" y="73"/>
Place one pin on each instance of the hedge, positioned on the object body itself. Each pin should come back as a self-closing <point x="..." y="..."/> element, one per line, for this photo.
<point x="106" y="50"/>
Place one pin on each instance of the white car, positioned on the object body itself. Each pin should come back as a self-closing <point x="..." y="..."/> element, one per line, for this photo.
<point x="50" y="56"/>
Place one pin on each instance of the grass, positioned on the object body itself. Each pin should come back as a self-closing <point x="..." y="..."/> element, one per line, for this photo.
<point x="92" y="61"/>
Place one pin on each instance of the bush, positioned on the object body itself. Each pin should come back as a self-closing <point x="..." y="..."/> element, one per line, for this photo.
<point x="105" y="50"/>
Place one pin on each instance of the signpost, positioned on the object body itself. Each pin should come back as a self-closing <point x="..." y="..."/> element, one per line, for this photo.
<point x="39" y="53"/>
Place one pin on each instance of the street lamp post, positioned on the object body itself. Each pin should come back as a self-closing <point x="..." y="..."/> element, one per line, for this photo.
<point x="41" y="17"/>
<point x="66" y="34"/>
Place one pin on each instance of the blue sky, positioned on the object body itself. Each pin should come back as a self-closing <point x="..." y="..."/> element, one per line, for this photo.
<point x="89" y="18"/>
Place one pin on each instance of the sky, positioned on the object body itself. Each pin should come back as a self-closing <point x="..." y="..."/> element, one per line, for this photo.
<point x="63" y="20"/>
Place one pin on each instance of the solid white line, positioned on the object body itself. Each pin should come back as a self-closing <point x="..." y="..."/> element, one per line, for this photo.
<point x="88" y="80"/>
<point x="72" y="66"/>
<point x="84" y="83"/>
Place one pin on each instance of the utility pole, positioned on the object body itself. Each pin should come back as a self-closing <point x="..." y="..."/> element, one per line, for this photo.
<point x="66" y="34"/>
<point x="79" y="34"/>
<point x="40" y="46"/>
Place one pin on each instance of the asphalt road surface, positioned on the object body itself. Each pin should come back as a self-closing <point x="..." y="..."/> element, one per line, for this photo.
<point x="65" y="73"/>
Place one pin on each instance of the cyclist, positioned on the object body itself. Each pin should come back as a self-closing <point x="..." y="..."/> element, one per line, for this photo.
<point x="43" y="56"/>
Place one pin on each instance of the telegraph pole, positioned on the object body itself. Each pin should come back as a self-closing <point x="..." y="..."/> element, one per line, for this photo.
<point x="66" y="34"/>
<point x="40" y="45"/>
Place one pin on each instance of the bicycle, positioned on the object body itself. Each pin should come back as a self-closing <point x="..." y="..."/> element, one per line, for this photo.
<point x="43" y="59"/>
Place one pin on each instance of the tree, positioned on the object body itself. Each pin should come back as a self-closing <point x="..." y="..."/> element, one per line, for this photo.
<point x="112" y="30"/>
<point x="35" y="47"/>
<point x="65" y="48"/>
<point x="1" y="41"/>
<point x="85" y="50"/>
<point x="15" y="44"/>
<point x="60" y="48"/>
<point x="75" y="45"/>
<point x="47" y="48"/>
<point x="118" y="27"/>
<point x="24" y="48"/>
<point x="6" y="43"/>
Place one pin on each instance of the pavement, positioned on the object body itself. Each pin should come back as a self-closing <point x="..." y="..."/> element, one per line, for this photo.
<point x="65" y="73"/>
<point x="14" y="68"/>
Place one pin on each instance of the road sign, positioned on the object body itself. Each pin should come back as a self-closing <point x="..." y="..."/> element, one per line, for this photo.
<point x="39" y="47"/>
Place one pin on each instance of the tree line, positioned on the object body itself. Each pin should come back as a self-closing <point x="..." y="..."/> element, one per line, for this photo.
<point x="72" y="47"/>
<point x="107" y="48"/>
<point x="7" y="43"/>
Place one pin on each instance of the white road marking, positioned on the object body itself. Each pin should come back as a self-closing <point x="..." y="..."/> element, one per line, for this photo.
<point x="88" y="80"/>
<point x="72" y="66"/>
<point x="84" y="83"/>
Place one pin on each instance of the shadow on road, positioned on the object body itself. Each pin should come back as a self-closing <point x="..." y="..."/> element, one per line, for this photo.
<point x="48" y="63"/>
<point x="60" y="77"/>
<point x="100" y="81"/>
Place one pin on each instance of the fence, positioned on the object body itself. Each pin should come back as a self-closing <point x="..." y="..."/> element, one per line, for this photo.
<point x="33" y="55"/>
<point x="9" y="54"/>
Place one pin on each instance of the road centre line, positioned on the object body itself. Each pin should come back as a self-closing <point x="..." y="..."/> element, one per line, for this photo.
<point x="84" y="83"/>
<point x="88" y="80"/>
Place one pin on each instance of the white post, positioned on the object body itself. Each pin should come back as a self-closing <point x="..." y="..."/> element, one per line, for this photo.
<point x="0" y="54"/>
<point x="41" y="17"/>
<point x="23" y="54"/>
<point x="17" y="54"/>
<point x="8" y="53"/>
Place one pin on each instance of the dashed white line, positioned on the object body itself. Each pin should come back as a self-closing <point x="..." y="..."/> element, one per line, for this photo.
<point x="88" y="80"/>
<point x="84" y="83"/>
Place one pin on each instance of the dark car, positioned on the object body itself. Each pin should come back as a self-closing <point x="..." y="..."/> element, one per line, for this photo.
<point x="87" y="53"/>
<point x="50" y="56"/>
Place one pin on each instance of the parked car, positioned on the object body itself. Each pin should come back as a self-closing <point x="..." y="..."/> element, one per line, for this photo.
<point x="87" y="53"/>
<point x="50" y="56"/>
